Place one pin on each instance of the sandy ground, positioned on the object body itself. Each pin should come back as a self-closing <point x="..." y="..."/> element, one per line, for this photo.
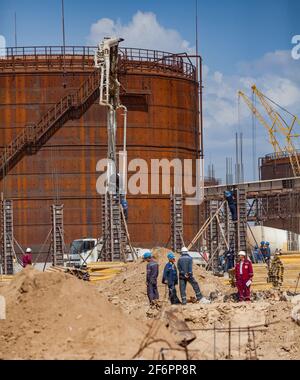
<point x="280" y="340"/>
<point x="56" y="316"/>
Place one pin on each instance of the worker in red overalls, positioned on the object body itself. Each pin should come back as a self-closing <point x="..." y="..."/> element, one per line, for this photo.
<point x="244" y="276"/>
<point x="27" y="258"/>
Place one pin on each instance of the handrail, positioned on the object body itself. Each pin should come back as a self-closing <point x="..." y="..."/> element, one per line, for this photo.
<point x="130" y="58"/>
<point x="35" y="132"/>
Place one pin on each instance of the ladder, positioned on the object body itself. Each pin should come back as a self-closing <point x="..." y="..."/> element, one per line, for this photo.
<point x="213" y="244"/>
<point x="177" y="222"/>
<point x="57" y="242"/>
<point x="241" y="225"/>
<point x="7" y="249"/>
<point x="113" y="237"/>
<point x="69" y="107"/>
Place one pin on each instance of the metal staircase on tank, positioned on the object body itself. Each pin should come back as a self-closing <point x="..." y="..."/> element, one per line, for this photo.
<point x="7" y="237"/>
<point x="69" y="107"/>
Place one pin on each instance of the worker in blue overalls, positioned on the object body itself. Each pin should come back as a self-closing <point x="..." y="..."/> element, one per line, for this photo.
<point x="151" y="278"/>
<point x="230" y="198"/>
<point x="170" y="278"/>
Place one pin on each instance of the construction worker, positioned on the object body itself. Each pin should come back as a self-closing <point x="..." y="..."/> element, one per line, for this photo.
<point x="151" y="278"/>
<point x="258" y="257"/>
<point x="230" y="256"/>
<point x="170" y="278"/>
<point x="244" y="276"/>
<point x="185" y="269"/>
<point x="229" y="195"/>
<point x="276" y="271"/>
<point x="124" y="205"/>
<point x="262" y="250"/>
<point x="267" y="253"/>
<point x="27" y="258"/>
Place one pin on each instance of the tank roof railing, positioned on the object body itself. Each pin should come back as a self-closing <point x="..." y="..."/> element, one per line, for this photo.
<point x="142" y="59"/>
<point x="276" y="156"/>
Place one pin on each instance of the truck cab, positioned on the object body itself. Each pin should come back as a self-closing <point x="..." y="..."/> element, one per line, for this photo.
<point x="83" y="251"/>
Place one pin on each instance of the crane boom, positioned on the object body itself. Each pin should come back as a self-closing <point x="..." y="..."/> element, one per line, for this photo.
<point x="284" y="128"/>
<point x="271" y="130"/>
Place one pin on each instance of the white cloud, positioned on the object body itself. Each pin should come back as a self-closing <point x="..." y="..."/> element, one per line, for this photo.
<point x="276" y="75"/>
<point x="143" y="31"/>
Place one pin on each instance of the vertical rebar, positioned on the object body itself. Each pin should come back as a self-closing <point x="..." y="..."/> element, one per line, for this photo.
<point x="215" y="342"/>
<point x="16" y="34"/>
<point x="254" y="344"/>
<point x="239" y="342"/>
<point x="64" y="40"/>
<point x="229" y="340"/>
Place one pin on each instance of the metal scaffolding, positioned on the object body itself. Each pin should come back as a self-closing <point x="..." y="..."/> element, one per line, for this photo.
<point x="177" y="222"/>
<point x="7" y="237"/>
<point x="220" y="231"/>
<point x="57" y="235"/>
<point x="113" y="243"/>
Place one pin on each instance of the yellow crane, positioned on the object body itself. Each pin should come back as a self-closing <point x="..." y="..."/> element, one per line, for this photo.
<point x="284" y="127"/>
<point x="279" y="124"/>
<point x="270" y="129"/>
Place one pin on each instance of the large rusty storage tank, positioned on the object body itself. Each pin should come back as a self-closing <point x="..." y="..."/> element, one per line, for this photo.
<point x="273" y="166"/>
<point x="279" y="166"/>
<point x="161" y="92"/>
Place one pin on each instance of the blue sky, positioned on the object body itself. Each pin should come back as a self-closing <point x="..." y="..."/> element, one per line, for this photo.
<point x="241" y="41"/>
<point x="230" y="30"/>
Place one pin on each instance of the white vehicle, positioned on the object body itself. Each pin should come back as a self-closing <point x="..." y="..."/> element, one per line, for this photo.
<point x="83" y="251"/>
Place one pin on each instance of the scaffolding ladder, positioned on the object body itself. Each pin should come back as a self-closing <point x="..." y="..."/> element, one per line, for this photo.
<point x="57" y="239"/>
<point x="177" y="222"/>
<point x="7" y="249"/>
<point x="241" y="225"/>
<point x="113" y="238"/>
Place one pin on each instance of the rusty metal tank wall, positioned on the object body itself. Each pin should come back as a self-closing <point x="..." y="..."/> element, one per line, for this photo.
<point x="273" y="168"/>
<point x="163" y="122"/>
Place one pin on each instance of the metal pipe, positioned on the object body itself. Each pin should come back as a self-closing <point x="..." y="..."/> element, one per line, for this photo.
<point x="16" y="37"/>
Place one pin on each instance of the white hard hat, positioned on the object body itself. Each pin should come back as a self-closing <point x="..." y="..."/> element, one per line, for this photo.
<point x="242" y="253"/>
<point x="184" y="250"/>
<point x="28" y="250"/>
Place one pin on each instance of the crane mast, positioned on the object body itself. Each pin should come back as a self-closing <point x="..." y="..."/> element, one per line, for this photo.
<point x="106" y="59"/>
<point x="113" y="223"/>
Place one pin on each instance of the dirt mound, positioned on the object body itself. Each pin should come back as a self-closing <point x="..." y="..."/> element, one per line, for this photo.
<point x="56" y="316"/>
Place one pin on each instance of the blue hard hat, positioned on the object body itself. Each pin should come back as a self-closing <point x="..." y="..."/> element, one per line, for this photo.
<point x="171" y="256"/>
<point x="147" y="255"/>
<point x="267" y="243"/>
<point x="262" y="243"/>
<point x="228" y="193"/>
